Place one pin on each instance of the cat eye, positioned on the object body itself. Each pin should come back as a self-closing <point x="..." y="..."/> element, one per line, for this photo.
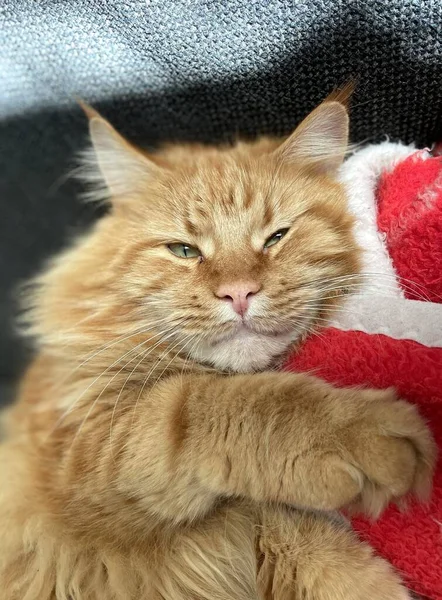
<point x="275" y="238"/>
<point x="184" y="251"/>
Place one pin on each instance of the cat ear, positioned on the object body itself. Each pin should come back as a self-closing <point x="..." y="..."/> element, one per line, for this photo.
<point x="321" y="140"/>
<point x="123" y="167"/>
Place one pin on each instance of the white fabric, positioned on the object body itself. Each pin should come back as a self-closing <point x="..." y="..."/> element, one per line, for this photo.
<point x="399" y="318"/>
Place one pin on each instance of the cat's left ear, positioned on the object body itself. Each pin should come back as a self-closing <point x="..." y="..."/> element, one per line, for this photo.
<point x="123" y="167"/>
<point x="320" y="141"/>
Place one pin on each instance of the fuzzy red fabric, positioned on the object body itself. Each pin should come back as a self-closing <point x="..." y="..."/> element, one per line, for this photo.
<point x="410" y="216"/>
<point x="411" y="540"/>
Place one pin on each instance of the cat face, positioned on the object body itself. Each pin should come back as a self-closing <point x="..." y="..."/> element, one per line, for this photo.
<point x="230" y="254"/>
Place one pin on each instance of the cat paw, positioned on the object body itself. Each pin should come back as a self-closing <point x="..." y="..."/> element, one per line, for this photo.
<point x="389" y="451"/>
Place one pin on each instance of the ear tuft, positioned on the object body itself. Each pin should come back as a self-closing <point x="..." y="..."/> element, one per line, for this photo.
<point x="321" y="140"/>
<point x="87" y="109"/>
<point x="343" y="94"/>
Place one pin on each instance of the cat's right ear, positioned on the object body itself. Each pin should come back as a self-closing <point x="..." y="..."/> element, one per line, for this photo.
<point x="124" y="168"/>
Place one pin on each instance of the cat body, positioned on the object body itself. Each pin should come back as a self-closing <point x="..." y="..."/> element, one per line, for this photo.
<point x="154" y="451"/>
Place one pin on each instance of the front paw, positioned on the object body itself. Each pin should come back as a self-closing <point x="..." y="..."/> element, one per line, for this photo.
<point x="388" y="449"/>
<point x="368" y="448"/>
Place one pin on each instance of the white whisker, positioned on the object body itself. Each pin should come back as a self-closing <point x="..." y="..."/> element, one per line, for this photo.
<point x="75" y="402"/>
<point x="146" y="379"/>
<point x="119" y="340"/>
<point x="94" y="403"/>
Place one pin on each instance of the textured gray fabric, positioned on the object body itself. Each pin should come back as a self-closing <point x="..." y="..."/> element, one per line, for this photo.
<point x="189" y="69"/>
<point x="207" y="68"/>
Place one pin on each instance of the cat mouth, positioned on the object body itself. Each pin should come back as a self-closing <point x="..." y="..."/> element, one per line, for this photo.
<point x="244" y="328"/>
<point x="273" y="332"/>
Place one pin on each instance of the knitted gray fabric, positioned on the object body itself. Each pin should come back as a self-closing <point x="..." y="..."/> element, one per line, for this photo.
<point x="209" y="68"/>
<point x="189" y="69"/>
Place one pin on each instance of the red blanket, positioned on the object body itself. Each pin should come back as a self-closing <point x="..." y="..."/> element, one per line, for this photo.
<point x="408" y="197"/>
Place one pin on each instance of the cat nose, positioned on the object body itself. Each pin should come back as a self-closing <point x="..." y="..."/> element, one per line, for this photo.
<point x="239" y="294"/>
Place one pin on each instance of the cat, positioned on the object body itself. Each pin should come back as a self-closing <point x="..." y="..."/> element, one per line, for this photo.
<point x="155" y="451"/>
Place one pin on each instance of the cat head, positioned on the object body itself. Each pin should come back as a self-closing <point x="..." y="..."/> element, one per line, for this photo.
<point x="227" y="255"/>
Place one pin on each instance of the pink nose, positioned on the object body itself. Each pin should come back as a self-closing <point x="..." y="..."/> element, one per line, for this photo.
<point x="239" y="294"/>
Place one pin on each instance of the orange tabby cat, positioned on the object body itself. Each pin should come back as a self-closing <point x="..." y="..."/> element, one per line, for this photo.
<point x="147" y="458"/>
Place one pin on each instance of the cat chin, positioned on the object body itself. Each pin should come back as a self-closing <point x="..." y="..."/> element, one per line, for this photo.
<point x="245" y="352"/>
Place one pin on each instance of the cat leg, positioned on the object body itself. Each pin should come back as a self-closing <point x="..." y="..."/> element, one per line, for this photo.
<point x="215" y="560"/>
<point x="316" y="556"/>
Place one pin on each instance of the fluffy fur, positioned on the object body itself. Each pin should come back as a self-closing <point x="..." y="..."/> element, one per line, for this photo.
<point x="146" y="458"/>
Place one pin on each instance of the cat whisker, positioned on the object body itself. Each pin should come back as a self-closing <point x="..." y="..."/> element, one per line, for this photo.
<point x="189" y="354"/>
<point x="308" y="329"/>
<point x="406" y="284"/>
<point x="341" y="291"/>
<point x="331" y="310"/>
<point x="94" y="403"/>
<point x="116" y="362"/>
<point x="146" y="379"/>
<point x="180" y="350"/>
<point x="143" y="353"/>
<point x="119" y="340"/>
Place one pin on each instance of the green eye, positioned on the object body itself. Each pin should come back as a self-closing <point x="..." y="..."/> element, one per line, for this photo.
<point x="184" y="251"/>
<point x="275" y="238"/>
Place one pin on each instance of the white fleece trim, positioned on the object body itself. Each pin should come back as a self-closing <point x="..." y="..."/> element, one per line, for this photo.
<point x="360" y="174"/>
<point x="398" y="318"/>
<point x="380" y="306"/>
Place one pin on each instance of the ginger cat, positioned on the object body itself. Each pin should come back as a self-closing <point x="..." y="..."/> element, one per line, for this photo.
<point x="154" y="452"/>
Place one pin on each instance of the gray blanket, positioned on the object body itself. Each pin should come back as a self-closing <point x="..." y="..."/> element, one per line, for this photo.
<point x="188" y="69"/>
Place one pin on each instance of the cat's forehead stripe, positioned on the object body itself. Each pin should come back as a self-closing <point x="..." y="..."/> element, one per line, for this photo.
<point x="268" y="214"/>
<point x="191" y="228"/>
<point x="248" y="198"/>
